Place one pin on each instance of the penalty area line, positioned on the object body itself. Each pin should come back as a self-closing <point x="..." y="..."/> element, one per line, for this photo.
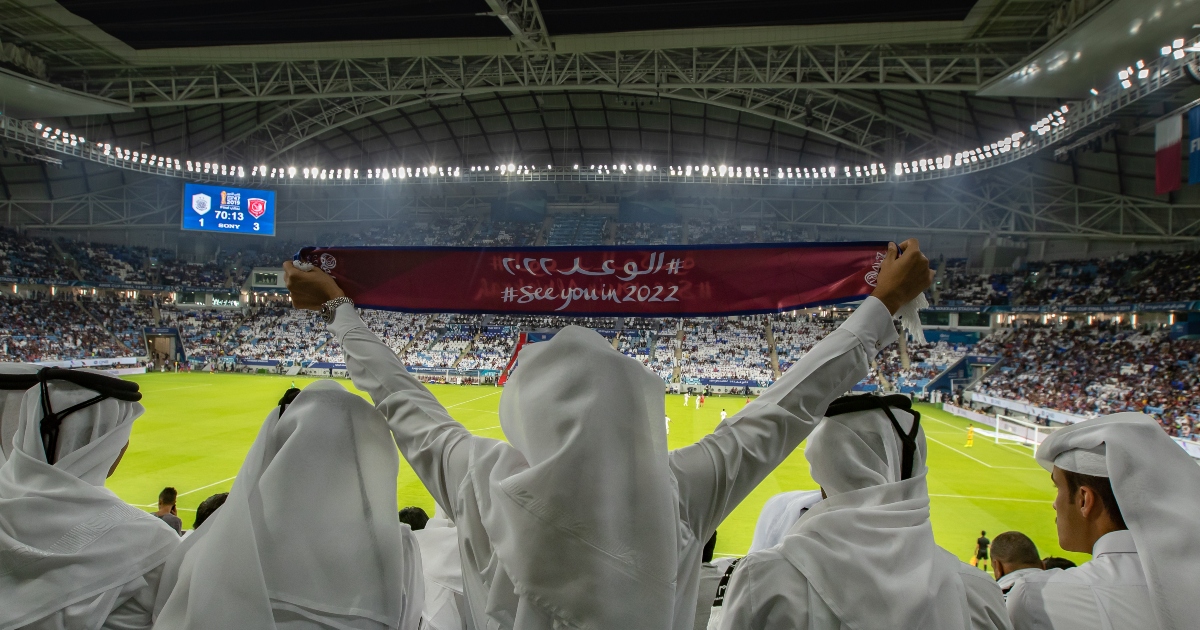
<point x="184" y="494"/>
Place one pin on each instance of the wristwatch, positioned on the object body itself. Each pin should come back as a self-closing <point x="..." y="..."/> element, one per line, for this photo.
<point x="329" y="308"/>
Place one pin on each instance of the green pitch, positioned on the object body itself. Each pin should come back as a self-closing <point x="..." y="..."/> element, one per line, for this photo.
<point x="198" y="427"/>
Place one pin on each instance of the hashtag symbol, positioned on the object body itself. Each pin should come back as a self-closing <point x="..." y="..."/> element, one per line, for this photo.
<point x="508" y="294"/>
<point x="674" y="265"/>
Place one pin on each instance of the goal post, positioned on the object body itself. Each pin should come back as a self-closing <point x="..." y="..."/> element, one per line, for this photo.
<point x="1021" y="431"/>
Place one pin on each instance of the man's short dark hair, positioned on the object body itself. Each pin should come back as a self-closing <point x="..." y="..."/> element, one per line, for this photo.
<point x="208" y="506"/>
<point x="709" y="548"/>
<point x="984" y="533"/>
<point x="1103" y="489"/>
<point x="167" y="496"/>
<point x="1054" y="562"/>
<point x="1015" y="548"/>
<point x="415" y="517"/>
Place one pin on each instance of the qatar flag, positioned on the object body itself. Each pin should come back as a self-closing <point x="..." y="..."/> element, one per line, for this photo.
<point x="1168" y="155"/>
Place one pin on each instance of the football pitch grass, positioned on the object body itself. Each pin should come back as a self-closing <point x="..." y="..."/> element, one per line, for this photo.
<point x="198" y="428"/>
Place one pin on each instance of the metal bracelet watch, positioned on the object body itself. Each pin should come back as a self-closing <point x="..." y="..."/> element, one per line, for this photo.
<point x="328" y="309"/>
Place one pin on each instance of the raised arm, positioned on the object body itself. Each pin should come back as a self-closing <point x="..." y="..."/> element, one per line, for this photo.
<point x="435" y="444"/>
<point x="717" y="472"/>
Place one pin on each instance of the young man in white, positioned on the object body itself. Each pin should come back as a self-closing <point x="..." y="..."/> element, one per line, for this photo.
<point x="863" y="558"/>
<point x="1014" y="558"/>
<point x="1128" y="495"/>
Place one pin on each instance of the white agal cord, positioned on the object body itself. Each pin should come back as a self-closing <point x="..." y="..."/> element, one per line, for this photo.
<point x="910" y="317"/>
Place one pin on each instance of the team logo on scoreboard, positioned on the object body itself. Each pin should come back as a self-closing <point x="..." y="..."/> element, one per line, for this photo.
<point x="328" y="262"/>
<point x="256" y="207"/>
<point x="201" y="203"/>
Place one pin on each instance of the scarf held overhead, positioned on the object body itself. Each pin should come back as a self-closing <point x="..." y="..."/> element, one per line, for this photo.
<point x="661" y="280"/>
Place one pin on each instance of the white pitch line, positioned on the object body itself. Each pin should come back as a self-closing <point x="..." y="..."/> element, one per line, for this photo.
<point x="472" y="400"/>
<point x="486" y="428"/>
<point x="965" y="496"/>
<point x="980" y="460"/>
<point x="968" y="456"/>
<point x="184" y="494"/>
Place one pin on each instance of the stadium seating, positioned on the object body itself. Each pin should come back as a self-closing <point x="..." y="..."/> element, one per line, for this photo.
<point x="726" y="349"/>
<point x="1092" y="370"/>
<point x="42" y="329"/>
<point x="1144" y="277"/>
<point x="206" y="333"/>
<point x="649" y="234"/>
<point x="577" y="229"/>
<point x="1095" y="370"/>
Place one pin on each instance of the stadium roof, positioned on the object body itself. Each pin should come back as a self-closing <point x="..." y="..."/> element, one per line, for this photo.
<point x="143" y="24"/>
<point x="457" y="82"/>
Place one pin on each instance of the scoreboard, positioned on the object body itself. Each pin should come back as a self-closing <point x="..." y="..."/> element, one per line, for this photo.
<point x="228" y="210"/>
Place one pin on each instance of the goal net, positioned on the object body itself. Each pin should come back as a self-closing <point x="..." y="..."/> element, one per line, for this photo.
<point x="1010" y="429"/>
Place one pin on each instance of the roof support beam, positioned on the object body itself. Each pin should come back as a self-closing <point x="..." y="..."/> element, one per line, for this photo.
<point x="524" y="19"/>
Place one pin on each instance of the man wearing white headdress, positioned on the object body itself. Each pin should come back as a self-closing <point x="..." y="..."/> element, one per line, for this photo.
<point x="308" y="537"/>
<point x="445" y="603"/>
<point x="1128" y="495"/>
<point x="778" y="515"/>
<point x="73" y="555"/>
<point x="13" y="384"/>
<point x="864" y="557"/>
<point x="584" y="519"/>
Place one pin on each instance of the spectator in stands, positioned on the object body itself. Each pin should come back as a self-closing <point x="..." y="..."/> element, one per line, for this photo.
<point x="1014" y="556"/>
<point x="14" y="381"/>
<point x="1126" y="495"/>
<point x="74" y="555"/>
<point x="445" y="606"/>
<point x="542" y="512"/>
<point x="865" y="556"/>
<point x="779" y="514"/>
<point x="208" y="507"/>
<point x="414" y="517"/>
<point x="253" y="566"/>
<point x="167" y="511"/>
<point x="1054" y="562"/>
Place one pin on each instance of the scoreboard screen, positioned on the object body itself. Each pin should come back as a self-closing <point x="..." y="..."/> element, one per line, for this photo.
<point x="228" y="210"/>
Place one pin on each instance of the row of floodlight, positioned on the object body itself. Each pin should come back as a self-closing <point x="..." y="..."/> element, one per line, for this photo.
<point x="1055" y="120"/>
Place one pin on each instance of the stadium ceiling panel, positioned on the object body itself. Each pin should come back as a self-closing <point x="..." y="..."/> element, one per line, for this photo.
<point x="361" y="84"/>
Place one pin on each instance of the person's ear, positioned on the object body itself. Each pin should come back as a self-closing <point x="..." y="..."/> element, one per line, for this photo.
<point x="1085" y="498"/>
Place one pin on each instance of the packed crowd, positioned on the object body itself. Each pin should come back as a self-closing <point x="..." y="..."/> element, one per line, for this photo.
<point x="728" y="349"/>
<point x="53" y="330"/>
<point x="926" y="362"/>
<point x="125" y="319"/>
<point x="1137" y="278"/>
<point x="1096" y="370"/>
<point x="649" y="233"/>
<point x="283" y="334"/>
<point x="205" y="333"/>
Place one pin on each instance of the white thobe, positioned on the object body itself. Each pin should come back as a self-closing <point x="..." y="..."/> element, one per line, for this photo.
<point x="768" y="591"/>
<point x="127" y="607"/>
<point x="443" y="577"/>
<point x="1108" y="592"/>
<point x="1007" y="581"/>
<point x="712" y="476"/>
